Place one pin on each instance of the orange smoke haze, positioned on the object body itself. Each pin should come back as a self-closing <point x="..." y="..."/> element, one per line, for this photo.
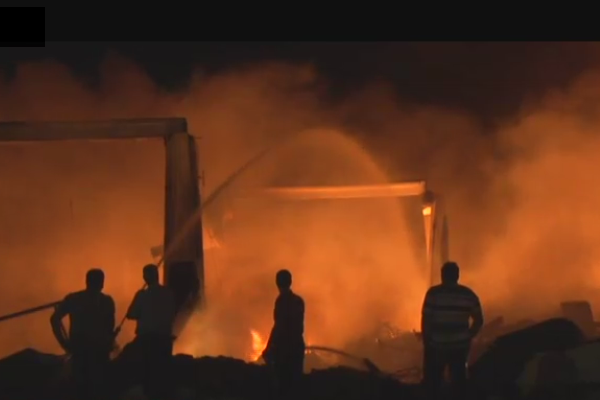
<point x="520" y="201"/>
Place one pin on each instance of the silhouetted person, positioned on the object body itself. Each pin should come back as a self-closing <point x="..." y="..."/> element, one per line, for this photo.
<point x="154" y="310"/>
<point x="90" y="340"/>
<point x="447" y="332"/>
<point x="285" y="348"/>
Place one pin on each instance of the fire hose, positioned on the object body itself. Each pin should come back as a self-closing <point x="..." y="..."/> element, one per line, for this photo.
<point x="198" y="213"/>
<point x="184" y="231"/>
<point x="28" y="311"/>
<point x="190" y="223"/>
<point x="370" y="365"/>
<point x="410" y="372"/>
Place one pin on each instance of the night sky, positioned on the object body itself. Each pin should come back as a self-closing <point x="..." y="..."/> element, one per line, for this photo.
<point x="490" y="80"/>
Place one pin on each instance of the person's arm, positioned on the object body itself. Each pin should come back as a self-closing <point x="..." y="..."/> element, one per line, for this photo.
<point x="170" y="305"/>
<point x="110" y="318"/>
<point x="476" y="316"/>
<point x="58" y="330"/>
<point x="272" y="342"/>
<point x="426" y="317"/>
<point x="109" y="323"/>
<point x="302" y="312"/>
<point x="133" y="312"/>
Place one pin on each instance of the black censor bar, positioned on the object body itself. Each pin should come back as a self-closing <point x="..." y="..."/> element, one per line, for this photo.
<point x="22" y="27"/>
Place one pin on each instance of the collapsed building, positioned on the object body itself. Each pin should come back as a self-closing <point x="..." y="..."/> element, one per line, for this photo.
<point x="380" y="365"/>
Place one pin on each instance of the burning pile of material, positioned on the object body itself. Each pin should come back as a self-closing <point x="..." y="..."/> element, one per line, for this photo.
<point x="258" y="345"/>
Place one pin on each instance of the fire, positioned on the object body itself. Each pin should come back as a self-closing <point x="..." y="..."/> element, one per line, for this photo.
<point x="258" y="345"/>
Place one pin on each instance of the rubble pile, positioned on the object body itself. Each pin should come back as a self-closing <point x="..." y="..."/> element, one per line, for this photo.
<point x="499" y="368"/>
<point x="551" y="357"/>
<point x="30" y="375"/>
<point x="393" y="350"/>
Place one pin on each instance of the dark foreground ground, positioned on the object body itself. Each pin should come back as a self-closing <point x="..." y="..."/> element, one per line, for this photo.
<point x="30" y="375"/>
<point x="33" y="376"/>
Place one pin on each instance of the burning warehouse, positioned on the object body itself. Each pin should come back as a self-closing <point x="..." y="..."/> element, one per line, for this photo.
<point x="323" y="204"/>
<point x="315" y="231"/>
<point x="363" y="255"/>
<point x="183" y="219"/>
<point x="278" y="206"/>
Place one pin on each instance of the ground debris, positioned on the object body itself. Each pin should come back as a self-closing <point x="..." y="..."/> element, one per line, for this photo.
<point x="499" y="367"/>
<point x="526" y="363"/>
<point x="32" y="375"/>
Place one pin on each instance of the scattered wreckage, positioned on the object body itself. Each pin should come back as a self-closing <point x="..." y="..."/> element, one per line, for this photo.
<point x="558" y="358"/>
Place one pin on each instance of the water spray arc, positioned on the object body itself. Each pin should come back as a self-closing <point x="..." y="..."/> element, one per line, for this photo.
<point x="181" y="238"/>
<point x="185" y="225"/>
<point x="434" y="220"/>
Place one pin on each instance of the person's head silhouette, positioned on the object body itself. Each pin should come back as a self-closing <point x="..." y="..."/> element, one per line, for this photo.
<point x="150" y="273"/>
<point x="94" y="280"/>
<point x="283" y="279"/>
<point x="450" y="273"/>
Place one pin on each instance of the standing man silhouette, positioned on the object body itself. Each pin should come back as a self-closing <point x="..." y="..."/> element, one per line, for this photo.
<point x="153" y="308"/>
<point x="285" y="348"/>
<point x="447" y="331"/>
<point x="90" y="339"/>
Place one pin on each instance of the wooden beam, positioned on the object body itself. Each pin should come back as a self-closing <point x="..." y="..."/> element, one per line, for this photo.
<point x="345" y="192"/>
<point x="91" y="130"/>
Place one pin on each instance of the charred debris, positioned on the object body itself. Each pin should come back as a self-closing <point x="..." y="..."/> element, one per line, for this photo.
<point x="558" y="358"/>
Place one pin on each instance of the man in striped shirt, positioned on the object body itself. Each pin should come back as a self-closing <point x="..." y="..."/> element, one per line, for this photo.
<point x="451" y="318"/>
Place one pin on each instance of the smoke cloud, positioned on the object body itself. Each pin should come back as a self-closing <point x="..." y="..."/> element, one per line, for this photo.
<point x="520" y="199"/>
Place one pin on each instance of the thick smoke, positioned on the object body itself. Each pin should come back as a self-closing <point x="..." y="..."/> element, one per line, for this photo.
<point x="547" y="251"/>
<point x="520" y="200"/>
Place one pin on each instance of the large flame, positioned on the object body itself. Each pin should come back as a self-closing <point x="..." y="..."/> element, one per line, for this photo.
<point x="258" y="345"/>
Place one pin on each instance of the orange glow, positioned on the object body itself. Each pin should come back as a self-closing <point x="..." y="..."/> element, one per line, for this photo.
<point x="518" y="201"/>
<point x="101" y="205"/>
<point x="427" y="211"/>
<point x="404" y="189"/>
<point x="258" y="345"/>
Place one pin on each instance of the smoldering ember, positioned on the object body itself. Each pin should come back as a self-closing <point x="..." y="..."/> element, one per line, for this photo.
<point x="363" y="196"/>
